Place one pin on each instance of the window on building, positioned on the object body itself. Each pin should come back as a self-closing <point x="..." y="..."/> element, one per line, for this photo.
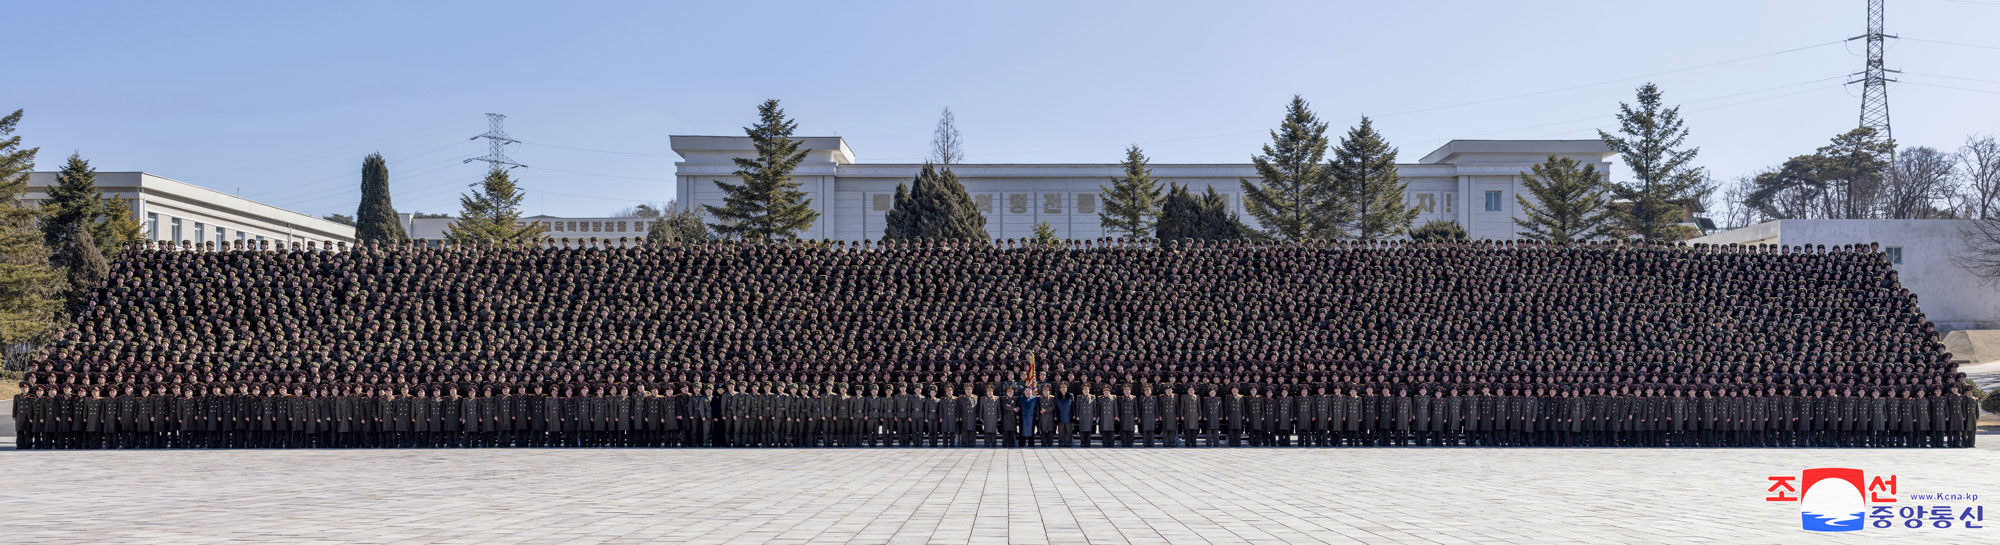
<point x="621" y="227"/>
<point x="176" y="223"/>
<point x="1895" y="254"/>
<point x="1052" y="203"/>
<point x="241" y="236"/>
<point x="1492" y="201"/>
<point x="1086" y="203"/>
<point x="200" y="232"/>
<point x="153" y="225"/>
<point x="221" y="237"/>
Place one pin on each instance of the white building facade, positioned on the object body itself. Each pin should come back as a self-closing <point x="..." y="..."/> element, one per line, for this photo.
<point x="556" y="228"/>
<point x="1472" y="182"/>
<point x="1922" y="251"/>
<point x="170" y="210"/>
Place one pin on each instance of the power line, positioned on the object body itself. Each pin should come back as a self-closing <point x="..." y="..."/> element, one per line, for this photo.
<point x="1957" y="88"/>
<point x="496" y="144"/>
<point x="603" y="151"/>
<point x="1450" y="106"/>
<point x="602" y="175"/>
<point x="1951" y="77"/>
<point x="350" y="174"/>
<point x="1952" y="43"/>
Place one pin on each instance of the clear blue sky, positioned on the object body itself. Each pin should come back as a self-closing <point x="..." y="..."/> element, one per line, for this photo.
<point x="280" y="100"/>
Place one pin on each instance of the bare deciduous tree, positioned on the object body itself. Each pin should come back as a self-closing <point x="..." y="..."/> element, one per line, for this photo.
<point x="1980" y="162"/>
<point x="1730" y="209"/>
<point x="1981" y="254"/>
<point x="947" y="147"/>
<point x="644" y="210"/>
<point x="1921" y="185"/>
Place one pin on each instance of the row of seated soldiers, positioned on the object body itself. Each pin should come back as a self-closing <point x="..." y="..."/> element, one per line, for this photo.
<point x="935" y="415"/>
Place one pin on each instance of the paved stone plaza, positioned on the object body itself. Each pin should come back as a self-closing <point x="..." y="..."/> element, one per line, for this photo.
<point x="949" y="496"/>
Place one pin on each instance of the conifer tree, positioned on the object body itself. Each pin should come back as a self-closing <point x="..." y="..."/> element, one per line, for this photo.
<point x="375" y="220"/>
<point x="901" y="223"/>
<point x="1438" y="231"/>
<point x="1186" y="216"/>
<point x="1045" y="235"/>
<point x="1132" y="203"/>
<point x="83" y="267"/>
<point x="30" y="288"/>
<point x="74" y="201"/>
<point x="1664" y="177"/>
<point x="767" y="204"/>
<point x="1364" y="170"/>
<point x="936" y="206"/>
<point x="1569" y="204"/>
<point x="1294" y="197"/>
<point x="679" y="225"/>
<point x="492" y="213"/>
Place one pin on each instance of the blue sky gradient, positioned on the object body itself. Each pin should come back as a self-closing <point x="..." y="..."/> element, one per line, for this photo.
<point x="278" y="101"/>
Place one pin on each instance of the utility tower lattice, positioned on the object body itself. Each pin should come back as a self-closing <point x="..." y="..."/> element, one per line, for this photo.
<point x="1875" y="79"/>
<point x="496" y="142"/>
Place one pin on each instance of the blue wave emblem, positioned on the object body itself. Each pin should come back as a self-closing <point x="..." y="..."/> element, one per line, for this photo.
<point x="1831" y="523"/>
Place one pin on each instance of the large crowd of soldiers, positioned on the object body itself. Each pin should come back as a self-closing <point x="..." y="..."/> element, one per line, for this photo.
<point x="1088" y="344"/>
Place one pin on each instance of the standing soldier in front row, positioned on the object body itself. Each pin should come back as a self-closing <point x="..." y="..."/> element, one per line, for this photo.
<point x="1109" y="409"/>
<point x="1084" y="407"/>
<point x="1065" y="409"/>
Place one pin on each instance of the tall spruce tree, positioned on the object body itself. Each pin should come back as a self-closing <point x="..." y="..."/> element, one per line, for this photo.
<point x="83" y="267"/>
<point x="1294" y="197"/>
<point x="492" y="213"/>
<point x="1364" y="169"/>
<point x="936" y="206"/>
<point x="75" y="202"/>
<point x="901" y="223"/>
<point x="376" y="220"/>
<point x="1664" y="178"/>
<point x="1569" y="204"/>
<point x="1132" y="203"/>
<point x="767" y="204"/>
<point x="30" y="288"/>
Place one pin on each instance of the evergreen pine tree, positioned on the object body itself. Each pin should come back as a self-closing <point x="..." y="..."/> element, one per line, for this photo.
<point x="75" y="201"/>
<point x="82" y="264"/>
<point x="1186" y="216"/>
<point x="375" y="221"/>
<point x="1218" y="222"/>
<point x="1132" y="203"/>
<point x="1664" y="177"/>
<point x="492" y="214"/>
<point x="679" y="225"/>
<point x="29" y="286"/>
<point x="1569" y="204"/>
<point x="1364" y="170"/>
<point x="1045" y="235"/>
<point x="945" y="210"/>
<point x="936" y="206"/>
<point x="1438" y="231"/>
<point x="1294" y="197"/>
<point x="768" y="203"/>
<point x="901" y="223"/>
